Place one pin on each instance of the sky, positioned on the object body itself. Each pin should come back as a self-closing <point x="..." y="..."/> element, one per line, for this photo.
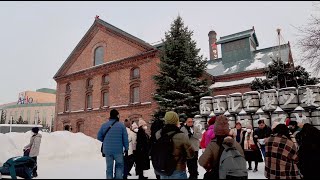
<point x="37" y="37"/>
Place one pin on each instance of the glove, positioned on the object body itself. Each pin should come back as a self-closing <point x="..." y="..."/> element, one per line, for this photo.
<point x="126" y="153"/>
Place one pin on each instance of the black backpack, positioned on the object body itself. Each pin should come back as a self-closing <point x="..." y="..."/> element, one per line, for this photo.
<point x="162" y="156"/>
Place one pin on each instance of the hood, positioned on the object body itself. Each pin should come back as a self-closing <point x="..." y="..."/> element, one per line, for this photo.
<point x="228" y="141"/>
<point x="39" y="135"/>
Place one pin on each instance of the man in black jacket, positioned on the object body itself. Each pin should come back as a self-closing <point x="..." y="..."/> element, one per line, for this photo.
<point x="156" y="126"/>
<point x="261" y="134"/>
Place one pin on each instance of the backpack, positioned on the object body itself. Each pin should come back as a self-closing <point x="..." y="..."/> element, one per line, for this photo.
<point x="21" y="166"/>
<point x="162" y="156"/>
<point x="232" y="164"/>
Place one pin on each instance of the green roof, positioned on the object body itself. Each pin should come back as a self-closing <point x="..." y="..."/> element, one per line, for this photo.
<point x="46" y="90"/>
<point x="261" y="59"/>
<point x="239" y="35"/>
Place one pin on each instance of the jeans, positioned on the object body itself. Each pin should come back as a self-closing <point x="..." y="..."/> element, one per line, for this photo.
<point x="176" y="175"/>
<point x="119" y="166"/>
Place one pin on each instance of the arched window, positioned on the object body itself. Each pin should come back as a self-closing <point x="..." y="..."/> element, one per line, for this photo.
<point x="67" y="104"/>
<point x="135" y="93"/>
<point x="105" y="79"/>
<point x="135" y="73"/>
<point x="89" y="83"/>
<point x="98" y="55"/>
<point x="89" y="101"/>
<point x="68" y="88"/>
<point x="80" y="126"/>
<point x="105" y="98"/>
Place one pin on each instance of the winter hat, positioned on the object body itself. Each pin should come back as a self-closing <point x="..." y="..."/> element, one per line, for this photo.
<point x="114" y="114"/>
<point x="288" y="121"/>
<point x="221" y="126"/>
<point x="171" y="117"/>
<point x="134" y="126"/>
<point x="141" y="122"/>
<point x="212" y="120"/>
<point x="239" y="122"/>
<point x="35" y="130"/>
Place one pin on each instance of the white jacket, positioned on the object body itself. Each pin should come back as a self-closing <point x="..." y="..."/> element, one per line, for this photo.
<point x="34" y="145"/>
<point x="132" y="139"/>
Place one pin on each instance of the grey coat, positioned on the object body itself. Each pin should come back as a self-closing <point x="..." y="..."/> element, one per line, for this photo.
<point x="34" y="145"/>
<point x="195" y="138"/>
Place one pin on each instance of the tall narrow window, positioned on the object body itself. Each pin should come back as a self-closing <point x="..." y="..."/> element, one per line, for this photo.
<point x="98" y="55"/>
<point x="105" y="79"/>
<point x="105" y="98"/>
<point x="89" y="83"/>
<point x="135" y="73"/>
<point x="89" y="101"/>
<point x="135" y="94"/>
<point x="68" y="88"/>
<point x="67" y="104"/>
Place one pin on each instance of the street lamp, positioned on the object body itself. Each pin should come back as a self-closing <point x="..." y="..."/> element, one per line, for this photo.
<point x="11" y="123"/>
<point x="51" y="122"/>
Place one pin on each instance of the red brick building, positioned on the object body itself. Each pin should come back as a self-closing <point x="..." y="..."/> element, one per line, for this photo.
<point x="109" y="68"/>
<point x="241" y="61"/>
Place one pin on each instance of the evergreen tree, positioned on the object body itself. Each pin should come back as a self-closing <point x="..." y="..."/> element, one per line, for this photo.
<point x="282" y="75"/>
<point x="180" y="86"/>
<point x="3" y="117"/>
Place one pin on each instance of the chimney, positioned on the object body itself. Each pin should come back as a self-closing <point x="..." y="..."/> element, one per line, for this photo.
<point x="212" y="45"/>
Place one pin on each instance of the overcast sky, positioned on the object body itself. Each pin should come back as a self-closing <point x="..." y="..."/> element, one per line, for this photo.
<point x="37" y="37"/>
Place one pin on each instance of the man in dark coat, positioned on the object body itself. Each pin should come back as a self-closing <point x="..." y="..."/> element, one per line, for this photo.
<point x="260" y="135"/>
<point x="142" y="149"/>
<point x="156" y="126"/>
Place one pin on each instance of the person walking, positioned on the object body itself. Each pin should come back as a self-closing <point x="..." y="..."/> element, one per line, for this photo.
<point x="182" y="150"/>
<point x="251" y="150"/>
<point x="210" y="158"/>
<point x="33" y="148"/>
<point x="281" y="155"/>
<point x="261" y="134"/>
<point x="129" y="159"/>
<point x="142" y="149"/>
<point x="209" y="134"/>
<point x="156" y="126"/>
<point x="194" y="135"/>
<point x="238" y="133"/>
<point x="114" y="142"/>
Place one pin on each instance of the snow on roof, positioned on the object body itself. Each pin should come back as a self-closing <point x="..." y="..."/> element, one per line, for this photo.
<point x="218" y="96"/>
<point x="299" y="108"/>
<point x="260" y="111"/>
<point x="206" y="97"/>
<point x="233" y="83"/>
<point x="211" y="66"/>
<point x="251" y="92"/>
<point x="236" y="93"/>
<point x="226" y="113"/>
<point x="257" y="64"/>
<point x="20" y="125"/>
<point x="226" y="70"/>
<point x="278" y="109"/>
<point x="242" y="112"/>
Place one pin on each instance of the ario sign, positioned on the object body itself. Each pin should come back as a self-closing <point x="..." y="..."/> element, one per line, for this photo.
<point x="23" y="99"/>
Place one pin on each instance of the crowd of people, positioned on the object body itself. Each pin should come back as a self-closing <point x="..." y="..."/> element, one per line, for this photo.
<point x="288" y="150"/>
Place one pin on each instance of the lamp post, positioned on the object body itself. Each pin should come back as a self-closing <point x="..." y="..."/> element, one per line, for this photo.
<point x="51" y="122"/>
<point x="11" y="123"/>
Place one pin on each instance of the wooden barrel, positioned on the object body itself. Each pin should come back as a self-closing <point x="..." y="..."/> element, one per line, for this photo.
<point x="278" y="117"/>
<point x="315" y="118"/>
<point x="234" y="103"/>
<point x="264" y="117"/>
<point x="268" y="100"/>
<point x="220" y="104"/>
<point x="288" y="98"/>
<point x="251" y="101"/>
<point x="309" y="96"/>
<point x="244" y="119"/>
<point x="205" y="105"/>
<point x="302" y="117"/>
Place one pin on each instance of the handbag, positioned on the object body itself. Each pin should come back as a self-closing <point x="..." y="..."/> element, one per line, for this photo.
<point x="103" y="155"/>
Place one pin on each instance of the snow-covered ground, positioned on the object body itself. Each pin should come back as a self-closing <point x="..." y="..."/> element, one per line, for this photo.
<point x="72" y="156"/>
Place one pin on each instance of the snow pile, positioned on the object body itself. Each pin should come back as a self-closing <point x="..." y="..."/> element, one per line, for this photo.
<point x="56" y="145"/>
<point x="257" y="64"/>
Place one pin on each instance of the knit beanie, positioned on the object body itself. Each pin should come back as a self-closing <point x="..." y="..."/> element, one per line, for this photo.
<point x="141" y="122"/>
<point x="212" y="120"/>
<point x="221" y="126"/>
<point x="171" y="117"/>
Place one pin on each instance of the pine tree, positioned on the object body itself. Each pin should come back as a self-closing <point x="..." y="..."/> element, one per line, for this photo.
<point x="282" y="75"/>
<point x="3" y="117"/>
<point x="179" y="81"/>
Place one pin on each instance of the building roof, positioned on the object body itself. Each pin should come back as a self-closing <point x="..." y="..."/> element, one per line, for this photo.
<point x="46" y="90"/>
<point x="261" y="59"/>
<point x="239" y="35"/>
<point x="110" y="27"/>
